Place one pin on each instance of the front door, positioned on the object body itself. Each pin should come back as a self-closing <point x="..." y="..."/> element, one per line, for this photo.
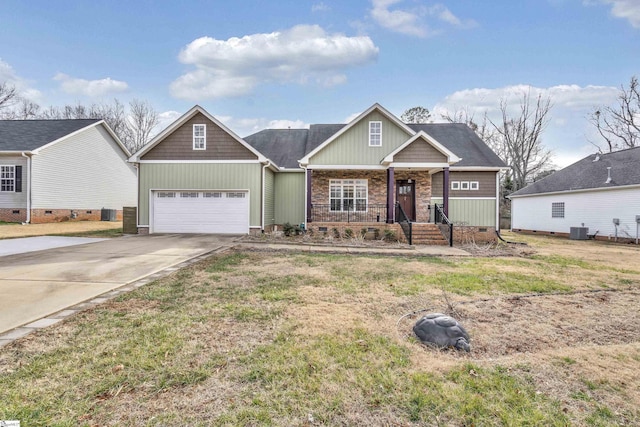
<point x="405" y="195"/>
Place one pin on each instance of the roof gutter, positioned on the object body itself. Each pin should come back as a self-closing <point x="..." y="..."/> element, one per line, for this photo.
<point x="28" y="157"/>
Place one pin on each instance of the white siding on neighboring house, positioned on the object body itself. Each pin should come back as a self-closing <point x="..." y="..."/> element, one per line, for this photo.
<point x="14" y="200"/>
<point x="594" y="209"/>
<point x="85" y="171"/>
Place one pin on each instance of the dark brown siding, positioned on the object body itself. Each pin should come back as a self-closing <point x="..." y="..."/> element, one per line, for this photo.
<point x="420" y="151"/>
<point x="486" y="181"/>
<point x="179" y="144"/>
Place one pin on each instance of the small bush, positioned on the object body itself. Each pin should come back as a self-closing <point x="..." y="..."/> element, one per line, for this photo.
<point x="336" y="232"/>
<point x="390" y="236"/>
<point x="348" y="233"/>
<point x="288" y="229"/>
<point x="363" y="232"/>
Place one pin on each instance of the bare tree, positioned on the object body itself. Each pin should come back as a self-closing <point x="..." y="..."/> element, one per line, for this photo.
<point x="416" y="115"/>
<point x="520" y="138"/>
<point x="619" y="126"/>
<point x="483" y="128"/>
<point x="141" y="122"/>
<point x="8" y="96"/>
<point x="25" y="110"/>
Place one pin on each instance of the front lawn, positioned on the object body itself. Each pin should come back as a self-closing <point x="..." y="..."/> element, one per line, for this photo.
<point x="284" y="338"/>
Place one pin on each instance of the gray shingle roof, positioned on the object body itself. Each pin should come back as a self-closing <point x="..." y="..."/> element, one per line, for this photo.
<point x="282" y="146"/>
<point x="590" y="173"/>
<point x="463" y="142"/>
<point x="286" y="146"/>
<point x="27" y="135"/>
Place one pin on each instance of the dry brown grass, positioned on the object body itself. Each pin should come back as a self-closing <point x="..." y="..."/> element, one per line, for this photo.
<point x="10" y="231"/>
<point x="269" y="331"/>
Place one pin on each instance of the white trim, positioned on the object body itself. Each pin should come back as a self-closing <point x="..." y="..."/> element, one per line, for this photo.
<point x="582" y="190"/>
<point x="379" y="134"/>
<point x="76" y="132"/>
<point x="182" y="120"/>
<point x="478" y="168"/>
<point x="354" y="185"/>
<point x="455" y="185"/>
<point x="374" y="107"/>
<point x="347" y="167"/>
<point x="466" y="198"/>
<point x="202" y="161"/>
<point x="417" y="165"/>
<point x="498" y="202"/>
<point x="204" y="137"/>
<point x="12" y="179"/>
<point x="451" y="156"/>
<point x="291" y="170"/>
<point x="13" y="153"/>
<point x="262" y="201"/>
<point x="306" y="194"/>
<point x="28" y="219"/>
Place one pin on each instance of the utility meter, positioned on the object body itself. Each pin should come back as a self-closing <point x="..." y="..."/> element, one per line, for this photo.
<point x="616" y="221"/>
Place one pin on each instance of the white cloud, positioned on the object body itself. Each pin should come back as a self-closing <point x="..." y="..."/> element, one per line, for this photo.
<point x="351" y="117"/>
<point x="8" y="75"/>
<point x="90" y="88"/>
<point x="248" y="126"/>
<point x="412" y="21"/>
<point x="320" y="7"/>
<point x="234" y="67"/>
<point x="568" y="134"/>
<point x="623" y="9"/>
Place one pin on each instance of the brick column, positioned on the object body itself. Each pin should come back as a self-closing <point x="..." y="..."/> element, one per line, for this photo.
<point x="390" y="195"/>
<point x="309" y="174"/>
<point x="445" y="192"/>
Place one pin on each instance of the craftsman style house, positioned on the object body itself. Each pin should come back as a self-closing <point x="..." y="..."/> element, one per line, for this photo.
<point x="374" y="172"/>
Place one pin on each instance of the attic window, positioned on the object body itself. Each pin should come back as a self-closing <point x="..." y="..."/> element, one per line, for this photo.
<point x="375" y="134"/>
<point x="199" y="137"/>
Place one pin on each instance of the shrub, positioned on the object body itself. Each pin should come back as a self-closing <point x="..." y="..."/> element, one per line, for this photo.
<point x="336" y="232"/>
<point x="390" y="235"/>
<point x="348" y="233"/>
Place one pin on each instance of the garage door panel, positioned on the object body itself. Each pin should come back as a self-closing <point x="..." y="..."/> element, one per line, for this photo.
<point x="197" y="213"/>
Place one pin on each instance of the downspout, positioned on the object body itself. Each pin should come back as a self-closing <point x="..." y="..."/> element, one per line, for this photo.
<point x="498" y="200"/>
<point x="264" y="191"/>
<point x="28" y="187"/>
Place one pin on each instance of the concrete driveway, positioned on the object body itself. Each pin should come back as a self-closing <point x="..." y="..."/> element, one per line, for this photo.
<point x="36" y="284"/>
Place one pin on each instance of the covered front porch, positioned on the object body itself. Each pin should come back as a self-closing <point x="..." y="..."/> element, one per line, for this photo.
<point x="372" y="198"/>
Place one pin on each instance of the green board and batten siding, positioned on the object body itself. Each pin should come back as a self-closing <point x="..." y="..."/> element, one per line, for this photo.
<point x="269" y="199"/>
<point x="352" y="147"/>
<point x="476" y="212"/>
<point x="289" y="197"/>
<point x="201" y="176"/>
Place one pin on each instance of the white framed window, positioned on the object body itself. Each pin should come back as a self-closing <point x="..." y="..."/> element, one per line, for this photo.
<point x="474" y="185"/>
<point x="557" y="210"/>
<point x="348" y="195"/>
<point x="375" y="134"/>
<point x="199" y="137"/>
<point x="7" y="178"/>
<point x="464" y="185"/>
<point x="455" y="185"/>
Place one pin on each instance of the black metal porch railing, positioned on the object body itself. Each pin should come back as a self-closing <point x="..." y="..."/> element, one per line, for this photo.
<point x="443" y="223"/>
<point x="405" y="223"/>
<point x="371" y="212"/>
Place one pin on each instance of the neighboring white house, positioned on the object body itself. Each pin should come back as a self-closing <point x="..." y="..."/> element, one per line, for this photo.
<point x="601" y="192"/>
<point x="60" y="170"/>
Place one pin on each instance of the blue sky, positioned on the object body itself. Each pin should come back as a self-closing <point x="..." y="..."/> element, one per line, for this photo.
<point x="257" y="64"/>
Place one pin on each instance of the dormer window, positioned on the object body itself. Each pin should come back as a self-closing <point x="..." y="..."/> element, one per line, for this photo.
<point x="199" y="137"/>
<point x="375" y="134"/>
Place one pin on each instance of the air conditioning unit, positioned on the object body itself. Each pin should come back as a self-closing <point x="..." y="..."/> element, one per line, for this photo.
<point x="579" y="233"/>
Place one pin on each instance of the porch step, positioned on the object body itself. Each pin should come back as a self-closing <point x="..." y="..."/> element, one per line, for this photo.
<point x="427" y="234"/>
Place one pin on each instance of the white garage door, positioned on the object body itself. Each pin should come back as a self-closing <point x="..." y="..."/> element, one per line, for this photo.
<point x="201" y="212"/>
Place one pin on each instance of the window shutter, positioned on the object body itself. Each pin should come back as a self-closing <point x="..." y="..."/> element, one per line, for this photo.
<point x="18" y="179"/>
